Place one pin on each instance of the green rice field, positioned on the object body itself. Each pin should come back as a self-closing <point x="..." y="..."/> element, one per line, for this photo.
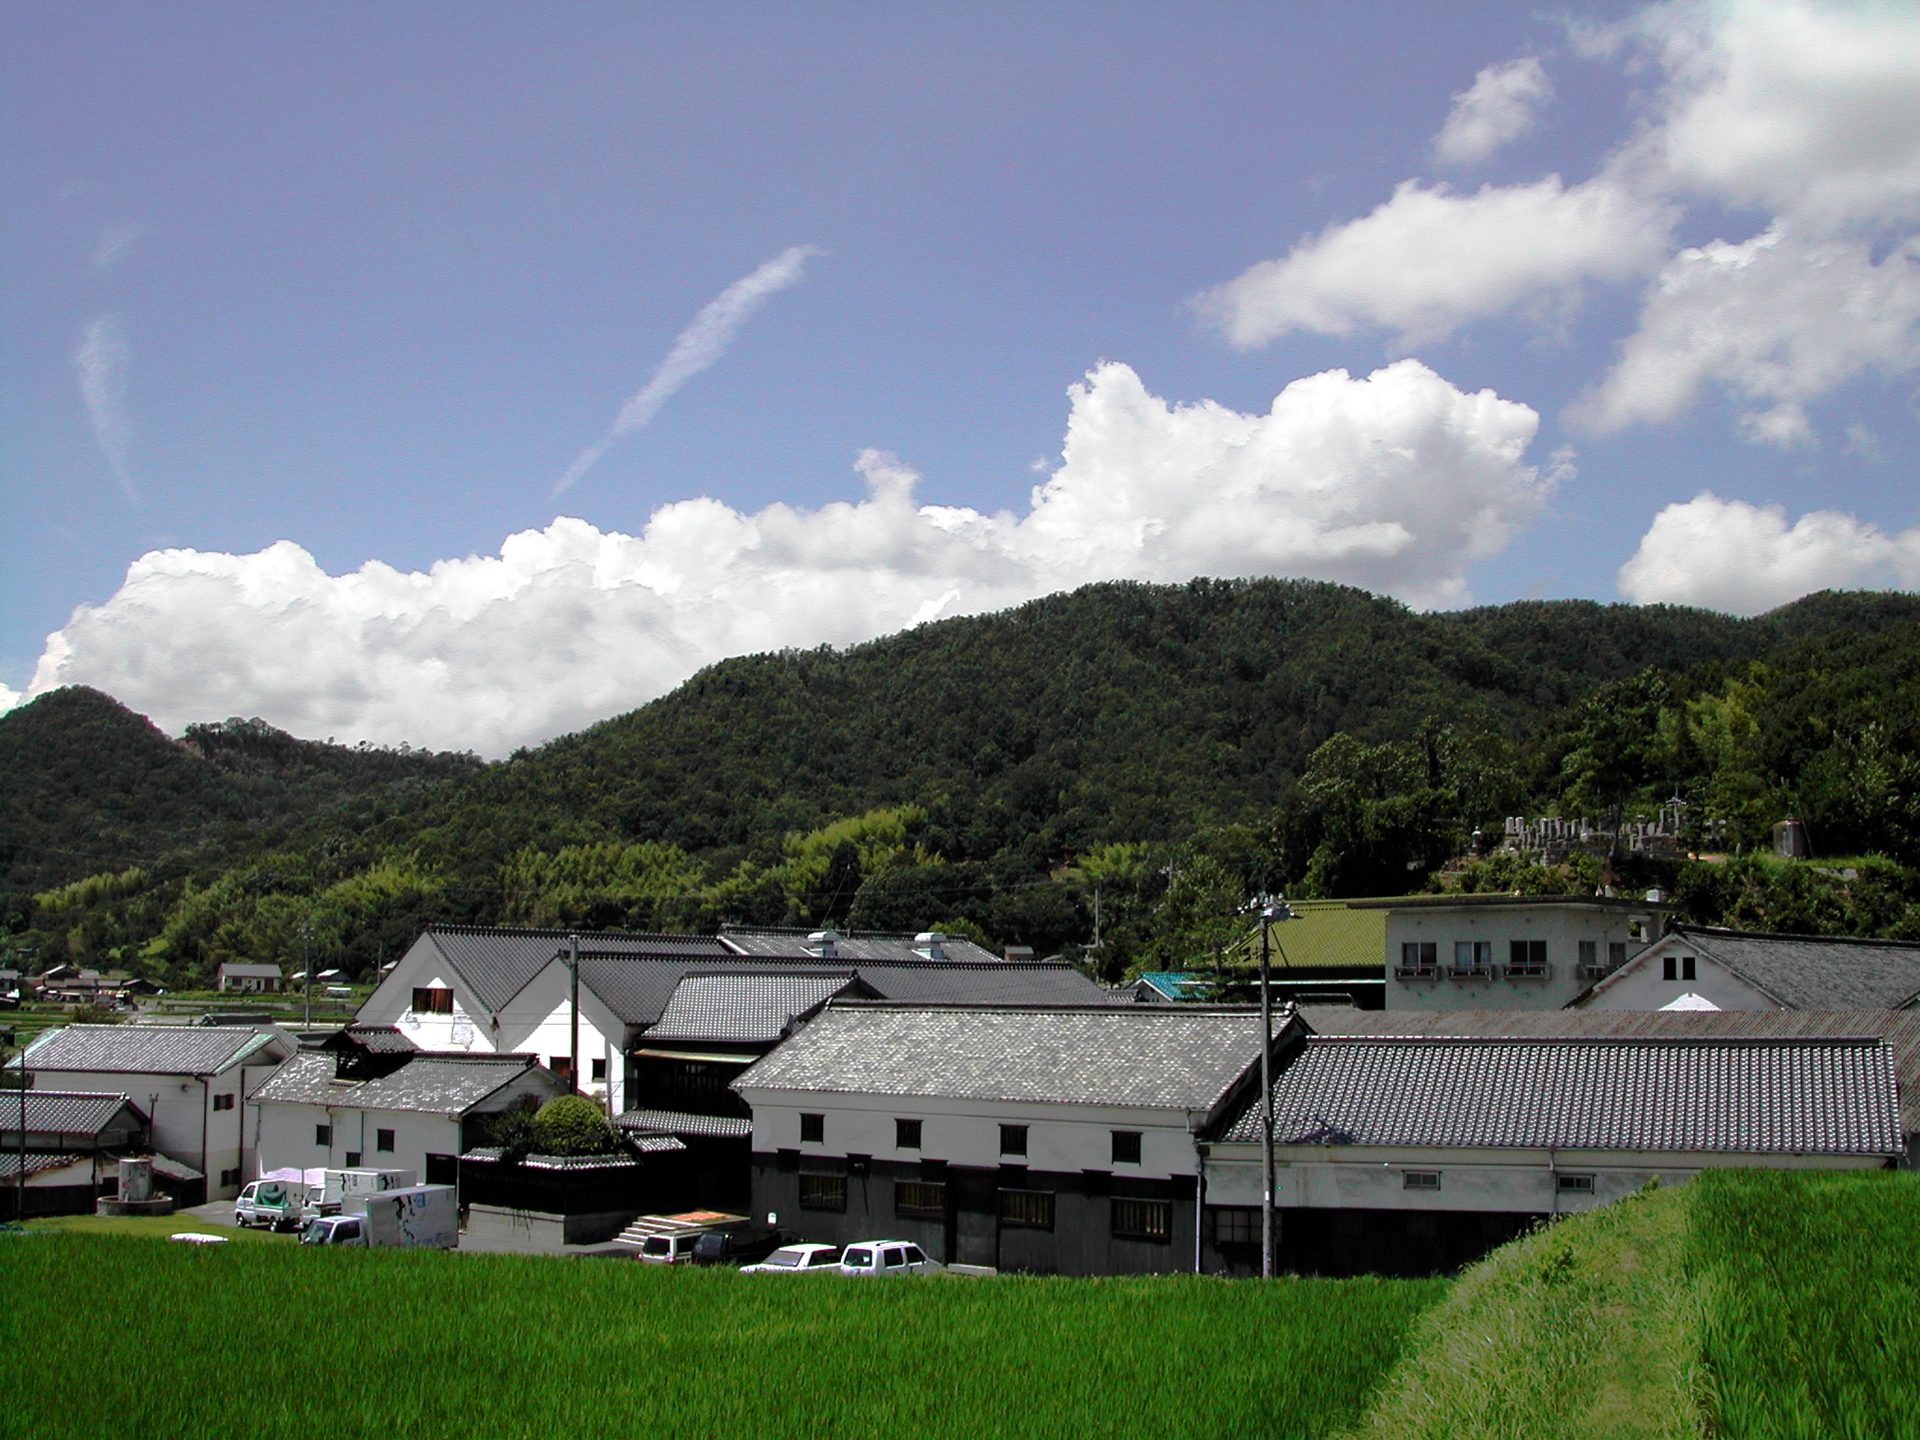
<point x="1746" y="1305"/>
<point x="117" y="1333"/>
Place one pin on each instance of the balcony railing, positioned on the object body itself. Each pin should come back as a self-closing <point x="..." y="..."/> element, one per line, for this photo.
<point x="1470" y="972"/>
<point x="1529" y="970"/>
<point x="1416" y="972"/>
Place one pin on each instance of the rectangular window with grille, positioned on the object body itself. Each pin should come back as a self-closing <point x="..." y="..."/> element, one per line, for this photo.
<point x="1126" y="1147"/>
<point x="1420" y="1180"/>
<point x="1574" y="1184"/>
<point x="432" y="1000"/>
<point x="906" y="1134"/>
<point x="920" y="1199"/>
<point x="1027" y="1209"/>
<point x="1013" y="1139"/>
<point x="813" y="1129"/>
<point x="1527" y="959"/>
<point x="1236" y="1225"/>
<point x="823" y="1192"/>
<point x="383" y="1140"/>
<point x="1143" y="1219"/>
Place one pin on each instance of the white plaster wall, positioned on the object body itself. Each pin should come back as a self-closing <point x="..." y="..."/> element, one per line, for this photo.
<point x="1059" y="1137"/>
<point x="1489" y="1181"/>
<point x="286" y="1137"/>
<point x="1563" y="927"/>
<point x="537" y="1021"/>
<point x="1640" y="986"/>
<point x="468" y="1028"/>
<point x="178" y="1105"/>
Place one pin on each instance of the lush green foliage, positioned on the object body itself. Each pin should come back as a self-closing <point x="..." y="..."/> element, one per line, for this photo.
<point x="573" y="1125"/>
<point x="1810" y="1296"/>
<point x="1129" y="762"/>
<point x="600" y="1349"/>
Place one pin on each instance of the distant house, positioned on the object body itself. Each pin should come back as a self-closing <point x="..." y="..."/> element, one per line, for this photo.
<point x="188" y="1079"/>
<point x="248" y="979"/>
<point x="1484" y="952"/>
<point x="1026" y="1138"/>
<point x="1751" y="970"/>
<point x="1417" y="1154"/>
<point x="72" y="1140"/>
<point x="370" y="1098"/>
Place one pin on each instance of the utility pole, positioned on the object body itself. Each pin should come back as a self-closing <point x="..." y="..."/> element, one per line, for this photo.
<point x="573" y="1010"/>
<point x="306" y="962"/>
<point x="1268" y="910"/>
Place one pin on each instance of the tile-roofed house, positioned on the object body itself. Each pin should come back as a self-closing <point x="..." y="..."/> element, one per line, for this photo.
<point x="189" y="1079"/>
<point x="1031" y="1138"/>
<point x="419" y="1111"/>
<point x="235" y="975"/>
<point x="1753" y="970"/>
<point x="1418" y="1152"/>
<point x="742" y="1009"/>
<point x="73" y="1140"/>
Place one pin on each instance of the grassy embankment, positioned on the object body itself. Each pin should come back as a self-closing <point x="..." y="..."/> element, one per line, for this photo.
<point x="1749" y="1304"/>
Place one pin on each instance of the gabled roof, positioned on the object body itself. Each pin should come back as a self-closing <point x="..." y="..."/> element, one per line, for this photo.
<point x="1899" y="1028"/>
<point x="743" y="1009"/>
<point x="242" y="971"/>
<point x="152" y="1049"/>
<point x="1182" y="1057"/>
<point x="1803" y="972"/>
<point x="638" y="988"/>
<point x="374" y="1039"/>
<point x="497" y="963"/>
<point x="79" y="1114"/>
<point x="1174" y="984"/>
<point x="1739" y="1097"/>
<point x="426" y="1084"/>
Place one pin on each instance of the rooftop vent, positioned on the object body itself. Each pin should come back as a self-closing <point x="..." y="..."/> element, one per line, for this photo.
<point x="928" y="945"/>
<point x="824" y="944"/>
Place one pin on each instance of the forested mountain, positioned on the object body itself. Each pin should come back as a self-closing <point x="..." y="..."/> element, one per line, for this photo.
<point x="1165" y="748"/>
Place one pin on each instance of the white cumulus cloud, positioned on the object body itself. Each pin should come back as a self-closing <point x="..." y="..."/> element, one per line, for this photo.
<point x="1395" y="481"/>
<point x="1776" y="322"/>
<point x="1733" y="556"/>
<point x="699" y="346"/>
<point x="1808" y="111"/>
<point x="1430" y="260"/>
<point x="1499" y="108"/>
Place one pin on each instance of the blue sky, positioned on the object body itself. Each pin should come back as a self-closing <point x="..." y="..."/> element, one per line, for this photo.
<point x="463" y="374"/>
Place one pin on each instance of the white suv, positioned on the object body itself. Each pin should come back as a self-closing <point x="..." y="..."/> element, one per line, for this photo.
<point x="887" y="1257"/>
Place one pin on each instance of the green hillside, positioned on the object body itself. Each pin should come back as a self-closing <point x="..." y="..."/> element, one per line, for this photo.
<point x="1157" y="751"/>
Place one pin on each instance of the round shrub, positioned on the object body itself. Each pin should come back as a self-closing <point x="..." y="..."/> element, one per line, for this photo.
<point x="573" y="1125"/>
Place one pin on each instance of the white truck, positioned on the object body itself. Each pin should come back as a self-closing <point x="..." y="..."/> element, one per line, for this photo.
<point x="343" y="1190"/>
<point x="418" y="1217"/>
<point x="280" y="1199"/>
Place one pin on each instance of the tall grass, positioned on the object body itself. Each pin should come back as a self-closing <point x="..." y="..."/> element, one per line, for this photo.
<point x="1580" y="1329"/>
<point x="118" y="1334"/>
<point x="1810" y="1302"/>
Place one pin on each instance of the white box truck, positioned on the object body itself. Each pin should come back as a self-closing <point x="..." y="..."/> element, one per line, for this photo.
<point x="419" y="1217"/>
<point x="346" y="1189"/>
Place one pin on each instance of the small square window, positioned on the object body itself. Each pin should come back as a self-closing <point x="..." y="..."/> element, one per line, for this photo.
<point x="906" y="1134"/>
<point x="813" y="1129"/>
<point x="1236" y="1225"/>
<point x="223" y="1102"/>
<point x="323" y="1135"/>
<point x="353" y="1159"/>
<point x="383" y="1140"/>
<point x="1126" y="1147"/>
<point x="1616" y="954"/>
<point x="1669" y="968"/>
<point x="1013" y="1140"/>
<point x="600" y="1071"/>
<point x="1687" y="967"/>
<point x="1420" y="1180"/>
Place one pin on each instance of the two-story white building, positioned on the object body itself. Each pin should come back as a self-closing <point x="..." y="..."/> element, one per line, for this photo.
<point x="189" y="1080"/>
<point x="1513" y="952"/>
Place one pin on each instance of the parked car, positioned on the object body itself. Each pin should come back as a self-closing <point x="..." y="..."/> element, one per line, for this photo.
<point x="669" y="1239"/>
<point x="740" y="1247"/>
<point x="275" y="1205"/>
<point x="887" y="1257"/>
<point x="798" y="1260"/>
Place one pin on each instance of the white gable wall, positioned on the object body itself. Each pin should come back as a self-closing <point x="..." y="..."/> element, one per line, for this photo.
<point x="537" y="1022"/>
<point x="1060" y="1138"/>
<point x="199" y="1121"/>
<point x="1642" y="985"/>
<point x="469" y="1028"/>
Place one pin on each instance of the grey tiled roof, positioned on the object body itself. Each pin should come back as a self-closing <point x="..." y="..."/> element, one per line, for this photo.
<point x="1161" y="1057"/>
<point x="783" y="944"/>
<point x="638" y="988"/>
<point x="743" y="1009"/>
<point x="678" y="1122"/>
<point x="1792" y="1096"/>
<point x="1899" y="1028"/>
<point x="147" y="1049"/>
<point x="497" y="963"/>
<point x="79" y="1113"/>
<point x="38" y="1160"/>
<point x="1815" y="972"/>
<point x="380" y="1039"/>
<point x="427" y="1084"/>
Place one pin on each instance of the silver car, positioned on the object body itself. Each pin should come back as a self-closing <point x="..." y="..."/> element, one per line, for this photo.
<point x="887" y="1257"/>
<point x="797" y="1260"/>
